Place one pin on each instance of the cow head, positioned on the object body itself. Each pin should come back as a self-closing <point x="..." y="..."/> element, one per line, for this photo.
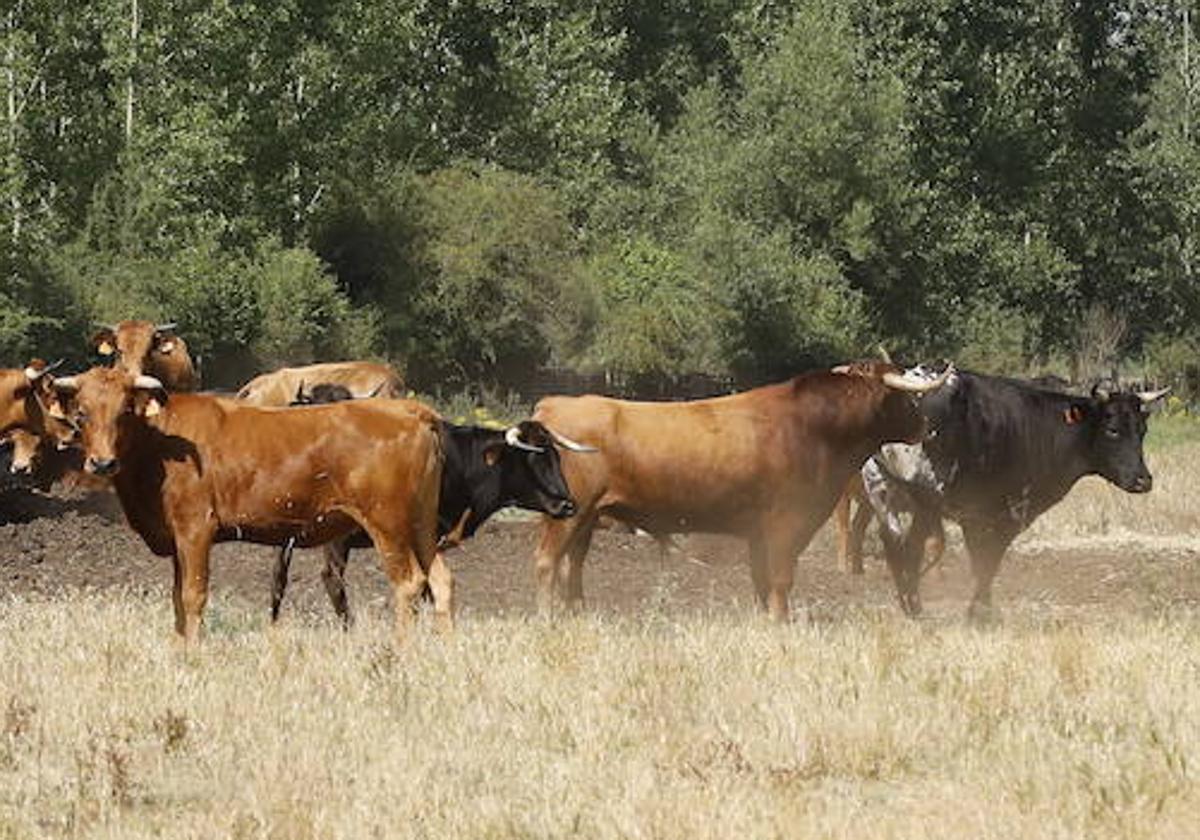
<point x="1115" y="423"/>
<point x="323" y="392"/>
<point x="895" y="408"/>
<point x="530" y="470"/>
<point x="104" y="405"/>
<point x="24" y="395"/>
<point x="135" y="346"/>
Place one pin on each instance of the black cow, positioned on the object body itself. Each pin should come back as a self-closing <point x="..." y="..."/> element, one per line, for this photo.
<point x="1000" y="453"/>
<point x="484" y="470"/>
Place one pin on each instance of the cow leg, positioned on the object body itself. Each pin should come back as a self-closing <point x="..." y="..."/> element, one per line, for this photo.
<point x="441" y="585"/>
<point x="841" y="522"/>
<point x="784" y="541"/>
<point x="986" y="545"/>
<point x="935" y="549"/>
<point x="904" y="556"/>
<point x="333" y="576"/>
<point x="279" y="580"/>
<point x="758" y="570"/>
<point x="191" y="583"/>
<point x="571" y="573"/>
<point x="553" y="542"/>
<point x="408" y="579"/>
<point x="858" y="530"/>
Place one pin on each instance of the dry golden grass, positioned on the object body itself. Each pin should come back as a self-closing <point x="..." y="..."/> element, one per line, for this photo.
<point x="863" y="725"/>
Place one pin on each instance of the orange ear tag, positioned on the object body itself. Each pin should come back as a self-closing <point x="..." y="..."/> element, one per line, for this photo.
<point x="105" y="349"/>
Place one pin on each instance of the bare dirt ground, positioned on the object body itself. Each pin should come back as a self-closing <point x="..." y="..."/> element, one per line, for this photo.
<point x="61" y="543"/>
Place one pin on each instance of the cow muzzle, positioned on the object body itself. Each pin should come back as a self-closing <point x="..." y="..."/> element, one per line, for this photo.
<point x="102" y="466"/>
<point x="561" y="508"/>
<point x="1141" y="484"/>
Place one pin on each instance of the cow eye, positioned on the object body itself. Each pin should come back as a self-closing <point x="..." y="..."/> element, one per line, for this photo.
<point x="1112" y="432"/>
<point x="81" y="417"/>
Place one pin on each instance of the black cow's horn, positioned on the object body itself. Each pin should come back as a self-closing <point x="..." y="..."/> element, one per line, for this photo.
<point x="70" y="384"/>
<point x="299" y="398"/>
<point x="566" y="443"/>
<point x="902" y="383"/>
<point x="512" y="436"/>
<point x="1148" y="397"/>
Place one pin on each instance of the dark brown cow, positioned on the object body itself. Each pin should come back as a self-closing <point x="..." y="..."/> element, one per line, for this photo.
<point x="143" y="347"/>
<point x="767" y="465"/>
<point x="194" y="469"/>
<point x="361" y="379"/>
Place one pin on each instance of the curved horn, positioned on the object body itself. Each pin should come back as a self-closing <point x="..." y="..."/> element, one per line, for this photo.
<point x="900" y="383"/>
<point x="104" y="326"/>
<point x="170" y="325"/>
<point x="299" y="398"/>
<point x="512" y="436"/>
<point x="378" y="388"/>
<point x="142" y="383"/>
<point x="566" y="443"/>
<point x="1148" y="397"/>
<point x="1100" y="393"/>
<point x="840" y="369"/>
<point x="883" y="353"/>
<point x="70" y="384"/>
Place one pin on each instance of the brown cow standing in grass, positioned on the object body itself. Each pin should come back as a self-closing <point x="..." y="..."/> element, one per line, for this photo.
<point x="192" y="469"/>
<point x="361" y="379"/>
<point x="767" y="464"/>
<point x="143" y="347"/>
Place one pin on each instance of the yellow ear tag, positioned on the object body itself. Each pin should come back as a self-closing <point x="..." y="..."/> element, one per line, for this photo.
<point x="153" y="408"/>
<point x="55" y="410"/>
<point x="166" y="347"/>
<point x="105" y="349"/>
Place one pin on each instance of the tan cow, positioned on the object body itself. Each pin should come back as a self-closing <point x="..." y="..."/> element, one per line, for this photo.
<point x="286" y="385"/>
<point x="143" y="347"/>
<point x="767" y="464"/>
<point x="192" y="470"/>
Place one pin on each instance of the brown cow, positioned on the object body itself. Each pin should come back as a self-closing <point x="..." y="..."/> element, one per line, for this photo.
<point x="143" y="347"/>
<point x="850" y="532"/>
<point x="23" y="397"/>
<point x="286" y="385"/>
<point x="767" y="465"/>
<point x="192" y="469"/>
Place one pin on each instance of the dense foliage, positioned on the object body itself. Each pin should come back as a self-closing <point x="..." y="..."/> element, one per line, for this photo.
<point x="480" y="187"/>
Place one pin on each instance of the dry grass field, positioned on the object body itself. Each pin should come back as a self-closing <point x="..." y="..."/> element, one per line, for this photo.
<point x="668" y="710"/>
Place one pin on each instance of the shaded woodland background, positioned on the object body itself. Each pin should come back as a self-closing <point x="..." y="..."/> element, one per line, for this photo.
<point x="639" y="191"/>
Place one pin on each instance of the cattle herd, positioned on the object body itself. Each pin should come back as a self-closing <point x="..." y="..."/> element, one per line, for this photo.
<point x="333" y="455"/>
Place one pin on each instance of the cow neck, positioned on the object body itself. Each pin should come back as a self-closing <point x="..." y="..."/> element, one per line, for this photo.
<point x="468" y="482"/>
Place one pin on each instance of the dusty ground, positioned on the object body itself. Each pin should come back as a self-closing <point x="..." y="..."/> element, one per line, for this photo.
<point x="51" y="543"/>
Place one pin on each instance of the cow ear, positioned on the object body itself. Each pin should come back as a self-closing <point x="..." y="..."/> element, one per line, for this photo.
<point x="105" y="342"/>
<point x="148" y="403"/>
<point x="493" y="452"/>
<point x="55" y="407"/>
<point x="1073" y="416"/>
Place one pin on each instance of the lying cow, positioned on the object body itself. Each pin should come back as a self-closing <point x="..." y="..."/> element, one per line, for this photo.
<point x="361" y="379"/>
<point x="767" y="465"/>
<point x="484" y="471"/>
<point x="1000" y="453"/>
<point x="191" y="470"/>
<point x="143" y="347"/>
